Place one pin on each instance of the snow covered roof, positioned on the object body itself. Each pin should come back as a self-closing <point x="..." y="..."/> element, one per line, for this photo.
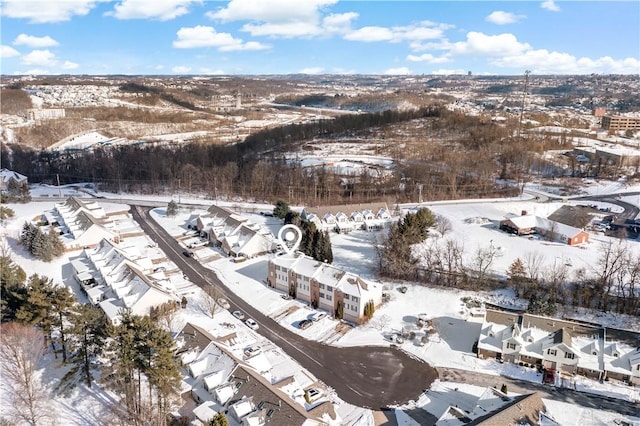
<point x="6" y="175"/>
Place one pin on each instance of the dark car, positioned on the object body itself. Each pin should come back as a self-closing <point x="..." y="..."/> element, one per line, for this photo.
<point x="188" y="253"/>
<point x="304" y="324"/>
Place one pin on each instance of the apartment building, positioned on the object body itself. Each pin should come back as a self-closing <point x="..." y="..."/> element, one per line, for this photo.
<point x="620" y="122"/>
<point x="565" y="346"/>
<point x="323" y="285"/>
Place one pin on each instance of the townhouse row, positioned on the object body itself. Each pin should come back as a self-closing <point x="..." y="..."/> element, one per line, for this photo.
<point x="564" y="346"/>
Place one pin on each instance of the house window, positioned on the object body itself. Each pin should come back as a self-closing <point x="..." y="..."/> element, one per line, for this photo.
<point x="322" y="286"/>
<point x="615" y="354"/>
<point x="329" y="288"/>
<point x="321" y="295"/>
<point x="511" y="345"/>
<point x="346" y="297"/>
<point x="329" y="297"/>
<point x="568" y="355"/>
<point x="594" y="353"/>
<point x="354" y="298"/>
<point x="552" y="352"/>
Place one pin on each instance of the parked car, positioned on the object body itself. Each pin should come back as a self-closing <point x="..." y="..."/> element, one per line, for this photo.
<point x="238" y="314"/>
<point x="251" y="351"/>
<point x="304" y="324"/>
<point x="318" y="316"/>
<point x="223" y="303"/>
<point x="313" y="393"/>
<point x="402" y="289"/>
<point x="251" y="324"/>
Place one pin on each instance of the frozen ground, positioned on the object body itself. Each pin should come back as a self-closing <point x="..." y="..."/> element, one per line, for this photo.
<point x="456" y="331"/>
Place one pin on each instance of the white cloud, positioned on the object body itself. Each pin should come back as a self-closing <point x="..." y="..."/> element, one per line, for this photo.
<point x="489" y="45"/>
<point x="8" y="52"/>
<point x="68" y="65"/>
<point x="45" y="59"/>
<point x="164" y="10"/>
<point x="429" y="58"/>
<point x="284" y="18"/>
<point x="542" y="61"/>
<point x="398" y="71"/>
<point x="181" y="69"/>
<point x="425" y="30"/>
<point x="33" y="41"/>
<point x="211" y="71"/>
<point x="448" y="71"/>
<point x="550" y="5"/>
<point x="271" y="10"/>
<point x="500" y="17"/>
<point x="205" y="36"/>
<point x="39" y="58"/>
<point x="312" y="70"/>
<point x="35" y="71"/>
<point x="42" y="11"/>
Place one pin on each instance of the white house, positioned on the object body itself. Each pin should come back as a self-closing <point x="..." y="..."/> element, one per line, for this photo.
<point x="7" y="175"/>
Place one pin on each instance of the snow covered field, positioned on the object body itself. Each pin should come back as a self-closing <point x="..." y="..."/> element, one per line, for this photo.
<point x="457" y="331"/>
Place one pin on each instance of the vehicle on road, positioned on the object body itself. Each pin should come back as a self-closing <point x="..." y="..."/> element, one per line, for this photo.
<point x="304" y="324"/>
<point x="251" y="324"/>
<point x="223" y="303"/>
<point x="238" y="314"/>
<point x="188" y="253"/>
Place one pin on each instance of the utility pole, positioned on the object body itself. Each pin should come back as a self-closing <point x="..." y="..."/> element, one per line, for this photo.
<point x="59" y="190"/>
<point x="524" y="98"/>
<point x="419" y="192"/>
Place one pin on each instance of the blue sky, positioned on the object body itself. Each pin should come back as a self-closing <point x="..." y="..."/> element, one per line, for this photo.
<point x="319" y="37"/>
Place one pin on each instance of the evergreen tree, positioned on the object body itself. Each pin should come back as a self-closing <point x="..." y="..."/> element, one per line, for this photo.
<point x="281" y="209"/>
<point x="6" y="213"/>
<point x="27" y="235"/>
<point x="56" y="246"/>
<point x="89" y="333"/>
<point x="172" y="208"/>
<point x="219" y="420"/>
<point x="37" y="309"/>
<point x="62" y="302"/>
<point x="40" y="246"/>
<point x="12" y="288"/>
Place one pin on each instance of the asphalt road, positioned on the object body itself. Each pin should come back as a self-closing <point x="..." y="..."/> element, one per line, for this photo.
<point x="372" y="377"/>
<point x="570" y="396"/>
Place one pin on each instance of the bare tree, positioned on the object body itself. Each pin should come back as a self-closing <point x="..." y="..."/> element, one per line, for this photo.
<point x="483" y="261"/>
<point x="443" y="225"/>
<point x="209" y="299"/>
<point x="533" y="265"/>
<point x="21" y="351"/>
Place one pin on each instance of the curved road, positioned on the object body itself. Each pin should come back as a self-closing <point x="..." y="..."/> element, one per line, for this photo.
<point x="370" y="376"/>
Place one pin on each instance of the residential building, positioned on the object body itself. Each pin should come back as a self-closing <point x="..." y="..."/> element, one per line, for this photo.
<point x="565" y="346"/>
<point x="555" y="231"/>
<point x="234" y="234"/>
<point x="620" y="122"/>
<point x="115" y="279"/>
<point x="219" y="382"/>
<point x="7" y="175"/>
<point x="323" y="285"/>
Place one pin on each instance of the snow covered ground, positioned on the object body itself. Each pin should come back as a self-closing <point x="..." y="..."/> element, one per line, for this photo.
<point x="457" y="330"/>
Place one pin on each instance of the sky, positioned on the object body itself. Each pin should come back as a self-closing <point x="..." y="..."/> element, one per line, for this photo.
<point x="255" y="37"/>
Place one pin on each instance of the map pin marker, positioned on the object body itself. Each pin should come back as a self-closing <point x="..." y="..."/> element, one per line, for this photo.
<point x="289" y="238"/>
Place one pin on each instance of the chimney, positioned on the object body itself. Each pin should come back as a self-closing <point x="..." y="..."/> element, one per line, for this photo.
<point x="524" y="213"/>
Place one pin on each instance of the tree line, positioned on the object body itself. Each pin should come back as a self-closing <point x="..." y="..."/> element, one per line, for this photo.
<point x="611" y="284"/>
<point x="36" y="313"/>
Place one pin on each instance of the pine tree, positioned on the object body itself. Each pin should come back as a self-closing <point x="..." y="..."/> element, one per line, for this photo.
<point x="61" y="302"/>
<point x="12" y="288"/>
<point x="281" y="209"/>
<point x="55" y="243"/>
<point x="172" y="208"/>
<point x="219" y="420"/>
<point x="37" y="309"/>
<point x="90" y="333"/>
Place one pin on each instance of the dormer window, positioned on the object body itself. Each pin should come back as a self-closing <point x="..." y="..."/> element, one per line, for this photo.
<point x="616" y="354"/>
<point x="594" y="353"/>
<point x="530" y="339"/>
<point x="492" y="334"/>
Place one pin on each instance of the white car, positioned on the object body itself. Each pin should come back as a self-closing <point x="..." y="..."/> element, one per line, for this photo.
<point x="238" y="314"/>
<point x="251" y="324"/>
<point x="223" y="303"/>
